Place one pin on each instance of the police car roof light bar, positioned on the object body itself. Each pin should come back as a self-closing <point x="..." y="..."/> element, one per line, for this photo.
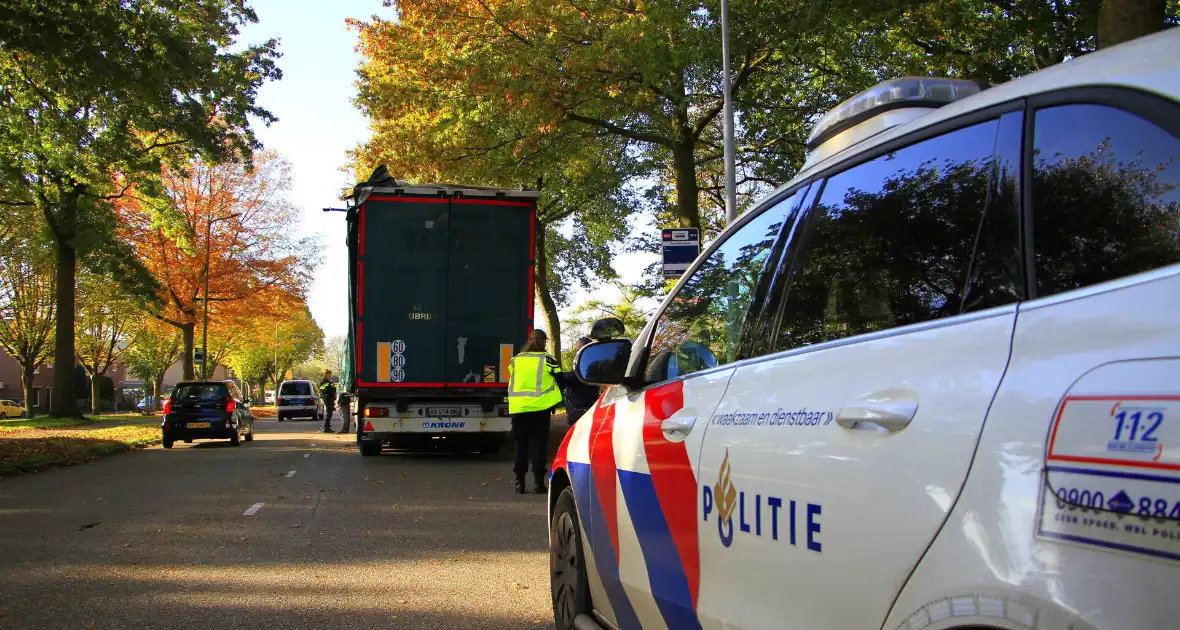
<point x="897" y="93"/>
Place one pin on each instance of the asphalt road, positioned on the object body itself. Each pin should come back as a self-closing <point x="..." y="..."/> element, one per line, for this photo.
<point x="159" y="539"/>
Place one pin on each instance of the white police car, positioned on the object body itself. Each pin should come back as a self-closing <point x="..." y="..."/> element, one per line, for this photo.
<point x="933" y="382"/>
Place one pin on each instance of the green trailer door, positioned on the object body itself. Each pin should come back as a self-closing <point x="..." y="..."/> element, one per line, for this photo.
<point x="402" y="266"/>
<point x="489" y="303"/>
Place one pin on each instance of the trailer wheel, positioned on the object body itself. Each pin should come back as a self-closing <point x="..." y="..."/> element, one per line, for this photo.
<point x="370" y="448"/>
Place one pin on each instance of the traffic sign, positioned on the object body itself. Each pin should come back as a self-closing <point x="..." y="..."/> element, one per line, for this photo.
<point x="198" y="355"/>
<point x="681" y="246"/>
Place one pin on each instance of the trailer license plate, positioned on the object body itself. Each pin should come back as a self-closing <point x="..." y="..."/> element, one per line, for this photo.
<point x="197" y="425"/>
<point x="443" y="412"/>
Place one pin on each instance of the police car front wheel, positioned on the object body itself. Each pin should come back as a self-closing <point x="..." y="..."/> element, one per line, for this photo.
<point x="567" y="570"/>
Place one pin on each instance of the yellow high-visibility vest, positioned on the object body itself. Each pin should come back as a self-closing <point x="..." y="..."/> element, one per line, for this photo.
<point x="531" y="386"/>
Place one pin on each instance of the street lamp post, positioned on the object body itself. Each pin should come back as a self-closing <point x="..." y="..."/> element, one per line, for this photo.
<point x="730" y="176"/>
<point x="205" y="325"/>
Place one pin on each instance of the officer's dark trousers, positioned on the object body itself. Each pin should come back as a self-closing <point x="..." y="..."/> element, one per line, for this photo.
<point x="329" y="408"/>
<point x="530" y="432"/>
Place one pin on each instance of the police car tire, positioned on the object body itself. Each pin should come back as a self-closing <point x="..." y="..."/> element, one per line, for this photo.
<point x="167" y="443"/>
<point x="566" y="534"/>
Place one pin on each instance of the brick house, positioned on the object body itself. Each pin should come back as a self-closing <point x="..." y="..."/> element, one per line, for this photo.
<point x="10" y="387"/>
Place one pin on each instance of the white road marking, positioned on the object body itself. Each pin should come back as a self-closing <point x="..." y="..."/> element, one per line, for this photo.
<point x="306" y="455"/>
<point x="291" y="474"/>
<point x="253" y="509"/>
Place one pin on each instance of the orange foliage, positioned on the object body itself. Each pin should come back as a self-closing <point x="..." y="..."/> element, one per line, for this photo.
<point x="251" y="255"/>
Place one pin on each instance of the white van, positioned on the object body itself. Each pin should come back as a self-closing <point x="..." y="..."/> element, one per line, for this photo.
<point x="932" y="383"/>
<point x="299" y="399"/>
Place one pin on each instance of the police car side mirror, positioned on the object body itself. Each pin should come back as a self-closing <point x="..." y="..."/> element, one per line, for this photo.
<point x="603" y="362"/>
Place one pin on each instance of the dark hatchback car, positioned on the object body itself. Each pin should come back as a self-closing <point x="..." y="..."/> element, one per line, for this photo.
<point x="207" y="410"/>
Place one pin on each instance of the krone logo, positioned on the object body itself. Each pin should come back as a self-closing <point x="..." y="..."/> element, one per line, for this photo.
<point x="726" y="496"/>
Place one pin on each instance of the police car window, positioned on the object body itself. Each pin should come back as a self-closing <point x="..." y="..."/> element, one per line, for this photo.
<point x="701" y="327"/>
<point x="891" y="241"/>
<point x="1106" y="196"/>
<point x="296" y="388"/>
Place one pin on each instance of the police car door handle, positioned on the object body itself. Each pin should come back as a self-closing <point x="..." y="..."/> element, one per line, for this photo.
<point x="892" y="409"/>
<point x="678" y="427"/>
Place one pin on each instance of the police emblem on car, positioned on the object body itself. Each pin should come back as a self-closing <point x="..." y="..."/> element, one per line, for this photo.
<point x="759" y="514"/>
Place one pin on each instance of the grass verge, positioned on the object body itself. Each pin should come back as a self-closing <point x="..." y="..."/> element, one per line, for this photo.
<point x="44" y="442"/>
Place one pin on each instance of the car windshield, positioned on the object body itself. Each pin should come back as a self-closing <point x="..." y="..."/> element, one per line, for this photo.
<point x="208" y="392"/>
<point x="298" y="388"/>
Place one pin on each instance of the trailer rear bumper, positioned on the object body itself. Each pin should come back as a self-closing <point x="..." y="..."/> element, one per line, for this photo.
<point x="435" y="426"/>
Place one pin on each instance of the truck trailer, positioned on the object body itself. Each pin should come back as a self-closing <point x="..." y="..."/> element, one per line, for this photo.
<point x="441" y="292"/>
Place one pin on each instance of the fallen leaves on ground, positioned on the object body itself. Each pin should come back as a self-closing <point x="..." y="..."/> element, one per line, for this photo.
<point x="262" y="412"/>
<point x="56" y="443"/>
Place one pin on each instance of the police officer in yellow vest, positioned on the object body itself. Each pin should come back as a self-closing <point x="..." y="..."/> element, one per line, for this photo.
<point x="535" y="383"/>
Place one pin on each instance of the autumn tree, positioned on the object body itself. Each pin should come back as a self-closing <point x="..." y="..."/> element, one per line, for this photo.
<point x="272" y="346"/>
<point x="646" y="74"/>
<point x="236" y="218"/>
<point x="26" y="303"/>
<point x="251" y="362"/>
<point x="104" y="318"/>
<point x="334" y="352"/>
<point x="154" y="347"/>
<point x="97" y="97"/>
<point x="453" y="131"/>
<point x="297" y="339"/>
<point x="630" y="308"/>
<point x="227" y="333"/>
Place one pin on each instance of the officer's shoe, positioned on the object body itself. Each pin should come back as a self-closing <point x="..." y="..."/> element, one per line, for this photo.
<point x="520" y="485"/>
<point x="539" y="484"/>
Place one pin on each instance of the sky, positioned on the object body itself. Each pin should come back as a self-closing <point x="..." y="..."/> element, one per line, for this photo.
<point x="318" y="124"/>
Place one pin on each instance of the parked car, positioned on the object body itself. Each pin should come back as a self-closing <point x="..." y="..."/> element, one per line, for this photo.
<point x="145" y="404"/>
<point x="930" y="383"/>
<point x="11" y="409"/>
<point x="269" y="397"/>
<point x="207" y="410"/>
<point x="299" y="399"/>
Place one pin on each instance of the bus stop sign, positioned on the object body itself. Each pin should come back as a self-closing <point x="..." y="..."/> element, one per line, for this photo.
<point x="681" y="246"/>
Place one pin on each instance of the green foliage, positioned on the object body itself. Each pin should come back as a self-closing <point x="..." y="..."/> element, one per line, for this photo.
<point x="632" y="308"/>
<point x="97" y="98"/>
<point x="252" y="362"/>
<point x="272" y="350"/>
<point x="154" y="347"/>
<point x="27" y="312"/>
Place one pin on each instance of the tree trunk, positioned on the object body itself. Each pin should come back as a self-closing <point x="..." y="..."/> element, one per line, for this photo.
<point x="187" y="358"/>
<point x="687" y="203"/>
<point x="94" y="385"/>
<point x="1123" y="20"/>
<point x="26" y="384"/>
<point x="63" y="402"/>
<point x="157" y="385"/>
<point x="548" y="306"/>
